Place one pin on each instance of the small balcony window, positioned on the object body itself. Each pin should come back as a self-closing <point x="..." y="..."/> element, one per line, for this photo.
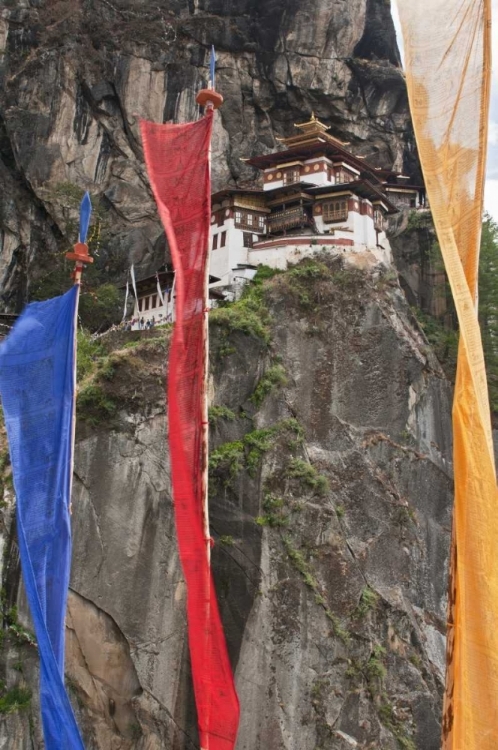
<point x="248" y="241"/>
<point x="246" y="220"/>
<point x="335" y="211"/>
<point x="292" y="176"/>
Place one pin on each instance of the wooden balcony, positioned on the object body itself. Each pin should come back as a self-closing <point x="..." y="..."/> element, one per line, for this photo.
<point x="290" y="218"/>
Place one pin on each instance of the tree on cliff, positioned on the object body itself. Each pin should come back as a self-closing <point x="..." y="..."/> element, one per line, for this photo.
<point x="488" y="304"/>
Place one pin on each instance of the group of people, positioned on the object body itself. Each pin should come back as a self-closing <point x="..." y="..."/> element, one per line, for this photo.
<point x="143" y="325"/>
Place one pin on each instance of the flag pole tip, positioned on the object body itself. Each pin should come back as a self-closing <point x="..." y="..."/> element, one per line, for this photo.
<point x="207" y="97"/>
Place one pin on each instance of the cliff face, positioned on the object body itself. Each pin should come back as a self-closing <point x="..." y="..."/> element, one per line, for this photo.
<point x="77" y="75"/>
<point x="330" y="507"/>
<point x="330" y="462"/>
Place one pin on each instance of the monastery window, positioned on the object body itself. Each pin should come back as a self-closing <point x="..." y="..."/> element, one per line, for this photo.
<point x="146" y="304"/>
<point x="215" y="241"/>
<point x="292" y="176"/>
<point x="261" y="224"/>
<point x="245" y="220"/>
<point x="153" y="302"/>
<point x="343" y="176"/>
<point x="140" y="301"/>
<point x="378" y="220"/>
<point x="335" y="211"/>
<point x="248" y="242"/>
<point x="223" y="241"/>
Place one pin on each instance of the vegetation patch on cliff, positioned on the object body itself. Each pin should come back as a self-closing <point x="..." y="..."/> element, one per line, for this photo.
<point x="112" y="374"/>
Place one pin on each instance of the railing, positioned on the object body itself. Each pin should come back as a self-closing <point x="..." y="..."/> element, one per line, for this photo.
<point x="335" y="215"/>
<point x="256" y="228"/>
<point x="288" y="219"/>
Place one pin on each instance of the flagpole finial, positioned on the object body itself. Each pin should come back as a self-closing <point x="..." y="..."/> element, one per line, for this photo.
<point x="80" y="254"/>
<point x="209" y="98"/>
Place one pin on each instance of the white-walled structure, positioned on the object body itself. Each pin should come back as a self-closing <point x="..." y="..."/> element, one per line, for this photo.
<point x="315" y="195"/>
<point x="148" y="307"/>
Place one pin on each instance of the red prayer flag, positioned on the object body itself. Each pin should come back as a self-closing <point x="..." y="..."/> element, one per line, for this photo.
<point x="177" y="159"/>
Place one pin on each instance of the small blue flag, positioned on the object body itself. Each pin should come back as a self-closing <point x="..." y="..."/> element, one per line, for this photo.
<point x="85" y="214"/>
<point x="212" y="67"/>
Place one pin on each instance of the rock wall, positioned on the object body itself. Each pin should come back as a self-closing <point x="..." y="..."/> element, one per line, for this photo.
<point x="77" y="75"/>
<point x="330" y="506"/>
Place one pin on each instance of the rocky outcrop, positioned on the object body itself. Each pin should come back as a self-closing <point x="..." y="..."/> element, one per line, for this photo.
<point x="331" y="494"/>
<point x="420" y="265"/>
<point x="78" y="75"/>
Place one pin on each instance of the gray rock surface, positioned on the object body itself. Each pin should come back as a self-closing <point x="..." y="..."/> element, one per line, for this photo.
<point x="332" y="537"/>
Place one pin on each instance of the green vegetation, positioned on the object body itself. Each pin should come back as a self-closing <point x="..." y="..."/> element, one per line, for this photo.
<point x="230" y="458"/>
<point x="217" y="413"/>
<point x="227" y="459"/>
<point x="90" y="353"/>
<point x="12" y="624"/>
<point x="248" y="315"/>
<point x="488" y="304"/>
<point x="369" y="600"/>
<point x="420" y="220"/>
<point x="226" y="541"/>
<point x="372" y="670"/>
<point x="308" y="475"/>
<point x="93" y="405"/>
<point x="94" y="366"/>
<point x="444" y="340"/>
<point x="391" y="722"/>
<point x="273" y="378"/>
<point x="375" y="670"/>
<point x="274" y="515"/>
<point x="100" y="307"/>
<point x="304" y="568"/>
<point x="15" y="699"/>
<point x="442" y="336"/>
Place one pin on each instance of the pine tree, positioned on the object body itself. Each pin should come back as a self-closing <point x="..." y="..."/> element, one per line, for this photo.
<point x="488" y="304"/>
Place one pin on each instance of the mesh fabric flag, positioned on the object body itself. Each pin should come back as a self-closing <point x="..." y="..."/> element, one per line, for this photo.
<point x="37" y="389"/>
<point x="447" y="49"/>
<point x="177" y="158"/>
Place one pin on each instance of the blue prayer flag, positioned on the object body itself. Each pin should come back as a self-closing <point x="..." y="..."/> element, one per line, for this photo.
<point x="37" y="389"/>
<point x="85" y="214"/>
<point x="212" y="67"/>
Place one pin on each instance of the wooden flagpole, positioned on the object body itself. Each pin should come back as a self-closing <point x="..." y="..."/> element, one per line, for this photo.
<point x="210" y="100"/>
<point x="81" y="257"/>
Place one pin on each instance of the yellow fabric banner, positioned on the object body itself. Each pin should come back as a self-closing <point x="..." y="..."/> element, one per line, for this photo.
<point x="448" y="72"/>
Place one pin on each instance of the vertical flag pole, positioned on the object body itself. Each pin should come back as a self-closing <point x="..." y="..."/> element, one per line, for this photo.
<point x="81" y="257"/>
<point x="210" y="100"/>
